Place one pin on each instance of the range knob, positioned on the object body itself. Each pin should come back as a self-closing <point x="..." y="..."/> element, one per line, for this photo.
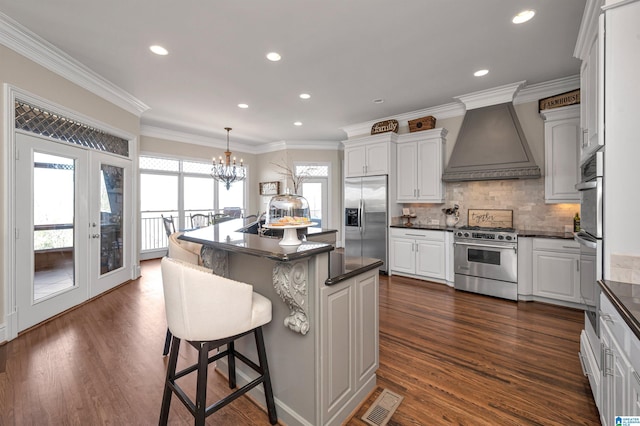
<point x="509" y="238"/>
<point x="459" y="234"/>
<point x="501" y="237"/>
<point x="466" y="234"/>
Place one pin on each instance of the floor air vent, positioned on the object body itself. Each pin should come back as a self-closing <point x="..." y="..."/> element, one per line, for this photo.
<point x="382" y="408"/>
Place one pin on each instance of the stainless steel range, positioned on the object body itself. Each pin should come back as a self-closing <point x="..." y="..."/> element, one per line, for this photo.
<point x="486" y="261"/>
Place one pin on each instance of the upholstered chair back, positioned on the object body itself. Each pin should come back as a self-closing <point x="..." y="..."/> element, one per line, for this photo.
<point x="202" y="306"/>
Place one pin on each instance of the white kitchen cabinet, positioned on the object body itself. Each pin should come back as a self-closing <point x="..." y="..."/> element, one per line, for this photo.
<point x="589" y="48"/>
<point x="590" y="367"/>
<point x="590" y="98"/>
<point x="562" y="136"/>
<point x="617" y="373"/>
<point x="349" y="354"/>
<point x="370" y="155"/>
<point x="418" y="253"/>
<point x="556" y="269"/>
<point x="419" y="167"/>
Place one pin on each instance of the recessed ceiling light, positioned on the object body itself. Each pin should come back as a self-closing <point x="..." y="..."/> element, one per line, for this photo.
<point x="480" y="73"/>
<point x="273" y="56"/>
<point x="243" y="106"/>
<point x="158" y="50"/>
<point x="378" y="101"/>
<point x="304" y="96"/>
<point x="523" y="16"/>
<point x="298" y="123"/>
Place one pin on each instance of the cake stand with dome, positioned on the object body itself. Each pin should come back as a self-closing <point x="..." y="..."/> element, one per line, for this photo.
<point x="288" y="212"/>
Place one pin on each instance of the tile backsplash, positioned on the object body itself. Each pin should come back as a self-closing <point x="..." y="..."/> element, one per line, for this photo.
<point x="524" y="196"/>
<point x="625" y="268"/>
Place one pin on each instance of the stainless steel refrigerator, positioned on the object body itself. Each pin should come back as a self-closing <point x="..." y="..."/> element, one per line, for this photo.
<point x="366" y="206"/>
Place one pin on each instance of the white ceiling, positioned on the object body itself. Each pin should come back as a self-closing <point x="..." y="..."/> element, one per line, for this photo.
<point x="414" y="54"/>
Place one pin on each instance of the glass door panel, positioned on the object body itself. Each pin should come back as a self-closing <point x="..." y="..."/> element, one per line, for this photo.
<point x="53" y="224"/>
<point x="111" y="224"/>
<point x="52" y="239"/>
<point x="111" y="214"/>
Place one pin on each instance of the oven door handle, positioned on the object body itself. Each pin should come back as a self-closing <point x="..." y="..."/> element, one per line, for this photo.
<point x="515" y="247"/>
<point x="585" y="240"/>
<point x="586" y="185"/>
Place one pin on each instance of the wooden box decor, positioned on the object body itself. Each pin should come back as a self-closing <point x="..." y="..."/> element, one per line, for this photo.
<point x="384" y="127"/>
<point x="561" y="100"/>
<point x="424" y="123"/>
<point x="490" y="218"/>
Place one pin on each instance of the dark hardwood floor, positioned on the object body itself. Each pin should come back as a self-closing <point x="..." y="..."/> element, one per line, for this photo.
<point x="457" y="358"/>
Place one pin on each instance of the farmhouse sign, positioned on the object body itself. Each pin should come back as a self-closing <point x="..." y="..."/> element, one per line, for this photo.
<point x="385" y="126"/>
<point x="557" y="101"/>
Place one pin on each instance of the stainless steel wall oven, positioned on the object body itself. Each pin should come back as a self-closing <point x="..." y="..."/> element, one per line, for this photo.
<point x="590" y="239"/>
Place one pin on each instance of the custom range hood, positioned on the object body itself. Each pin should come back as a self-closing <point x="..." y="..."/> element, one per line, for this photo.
<point x="491" y="144"/>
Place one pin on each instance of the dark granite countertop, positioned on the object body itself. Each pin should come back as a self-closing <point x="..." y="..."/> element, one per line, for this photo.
<point x="342" y="267"/>
<point x="626" y="298"/>
<point x="227" y="236"/>
<point x="545" y="234"/>
<point x="426" y="227"/>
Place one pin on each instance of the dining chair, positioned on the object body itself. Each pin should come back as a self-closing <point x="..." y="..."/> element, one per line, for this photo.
<point x="209" y="311"/>
<point x="169" y="227"/>
<point x="199" y="220"/>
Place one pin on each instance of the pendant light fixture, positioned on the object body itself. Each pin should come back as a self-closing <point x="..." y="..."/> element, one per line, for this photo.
<point x="226" y="171"/>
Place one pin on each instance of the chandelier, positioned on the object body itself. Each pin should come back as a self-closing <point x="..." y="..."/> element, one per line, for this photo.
<point x="225" y="171"/>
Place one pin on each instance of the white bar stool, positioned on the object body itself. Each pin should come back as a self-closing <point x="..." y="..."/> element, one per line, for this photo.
<point x="209" y="311"/>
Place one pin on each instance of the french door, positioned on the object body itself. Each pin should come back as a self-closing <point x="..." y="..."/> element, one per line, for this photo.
<point x="72" y="214"/>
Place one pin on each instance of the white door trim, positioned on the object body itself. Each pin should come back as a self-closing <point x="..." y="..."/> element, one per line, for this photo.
<point x="9" y="324"/>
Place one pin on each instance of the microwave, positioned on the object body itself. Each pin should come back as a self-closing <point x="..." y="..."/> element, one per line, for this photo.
<point x="590" y="188"/>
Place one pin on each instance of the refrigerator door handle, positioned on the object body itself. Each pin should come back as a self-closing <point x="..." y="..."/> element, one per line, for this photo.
<point x="362" y="207"/>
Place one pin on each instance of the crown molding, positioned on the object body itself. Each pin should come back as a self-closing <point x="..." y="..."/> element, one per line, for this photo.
<point x="185" y="137"/>
<point x="441" y="112"/>
<point x="539" y="91"/>
<point x="28" y="44"/>
<point x="493" y="96"/>
<point x="211" y="142"/>
<point x="561" y="113"/>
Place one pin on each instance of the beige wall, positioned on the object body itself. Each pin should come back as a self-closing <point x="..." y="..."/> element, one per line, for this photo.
<point x="28" y="76"/>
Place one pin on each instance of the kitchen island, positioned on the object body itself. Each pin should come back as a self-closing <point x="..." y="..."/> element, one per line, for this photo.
<point x="322" y="342"/>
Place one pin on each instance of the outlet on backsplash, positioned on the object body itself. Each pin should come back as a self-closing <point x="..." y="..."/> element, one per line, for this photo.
<point x="625" y="268"/>
<point x="434" y="221"/>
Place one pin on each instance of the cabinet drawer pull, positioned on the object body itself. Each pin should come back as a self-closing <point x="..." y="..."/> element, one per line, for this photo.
<point x="608" y="369"/>
<point x="584" y="367"/>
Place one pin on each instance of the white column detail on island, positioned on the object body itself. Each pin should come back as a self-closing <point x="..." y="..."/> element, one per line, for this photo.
<point x="290" y="282"/>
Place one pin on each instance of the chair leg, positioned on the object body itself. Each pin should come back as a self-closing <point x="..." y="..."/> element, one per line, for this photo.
<point x="268" y="392"/>
<point x="201" y="386"/>
<point x="171" y="372"/>
<point x="167" y="343"/>
<point x="231" y="362"/>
